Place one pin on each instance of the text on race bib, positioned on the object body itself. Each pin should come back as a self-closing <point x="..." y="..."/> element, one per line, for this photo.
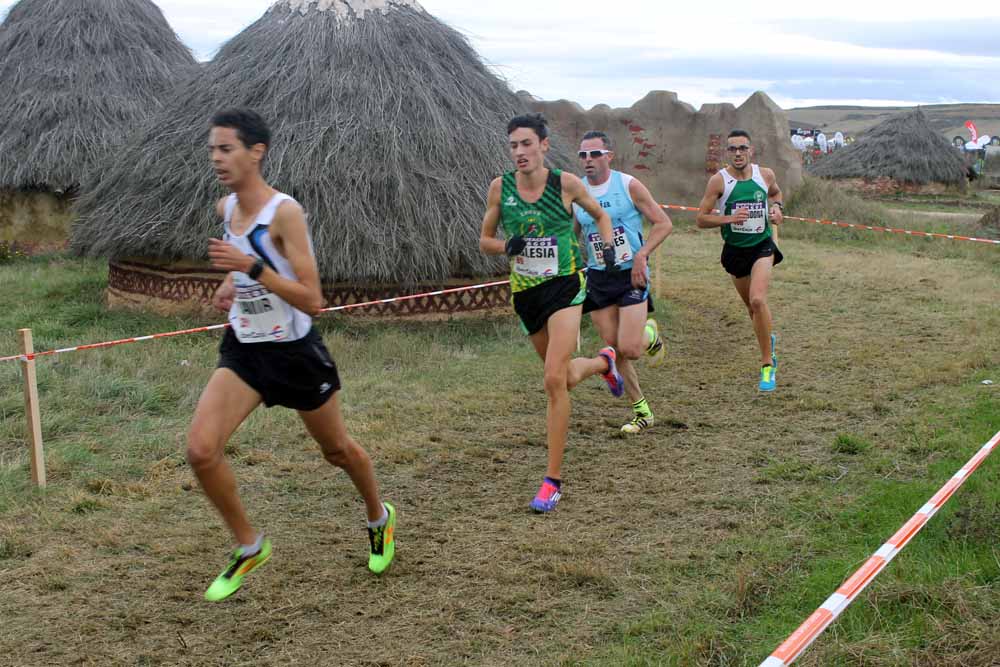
<point x="539" y="259"/>
<point x="623" y="249"/>
<point x="755" y="224"/>
<point x="260" y="315"/>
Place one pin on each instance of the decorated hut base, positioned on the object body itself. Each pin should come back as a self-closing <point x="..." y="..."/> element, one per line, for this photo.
<point x="886" y="186"/>
<point x="34" y="221"/>
<point x="176" y="287"/>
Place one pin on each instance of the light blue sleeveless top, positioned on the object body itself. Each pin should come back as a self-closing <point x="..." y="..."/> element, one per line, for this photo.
<point x="626" y="222"/>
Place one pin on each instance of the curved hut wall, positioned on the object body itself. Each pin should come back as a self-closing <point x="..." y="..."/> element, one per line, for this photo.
<point x="77" y="76"/>
<point x="388" y="128"/>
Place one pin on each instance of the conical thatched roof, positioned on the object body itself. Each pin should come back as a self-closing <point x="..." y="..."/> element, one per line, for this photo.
<point x="904" y="148"/>
<point x="387" y="128"/>
<point x="77" y="76"/>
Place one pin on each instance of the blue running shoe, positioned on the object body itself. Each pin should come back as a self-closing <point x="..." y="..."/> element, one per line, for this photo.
<point x="547" y="497"/>
<point x="614" y="379"/>
<point x="774" y="350"/>
<point x="767" y="380"/>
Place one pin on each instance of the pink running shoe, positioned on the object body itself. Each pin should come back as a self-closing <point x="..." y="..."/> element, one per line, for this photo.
<point x="547" y="497"/>
<point x="614" y="379"/>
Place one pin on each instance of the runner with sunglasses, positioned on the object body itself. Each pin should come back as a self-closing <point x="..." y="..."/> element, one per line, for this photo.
<point x="534" y="205"/>
<point x="617" y="297"/>
<point x="750" y="201"/>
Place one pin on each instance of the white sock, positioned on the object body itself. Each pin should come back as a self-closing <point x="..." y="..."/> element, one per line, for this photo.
<point x="250" y="549"/>
<point x="381" y="522"/>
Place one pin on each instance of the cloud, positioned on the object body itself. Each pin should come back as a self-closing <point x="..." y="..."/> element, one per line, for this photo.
<point x="706" y="52"/>
<point x="973" y="36"/>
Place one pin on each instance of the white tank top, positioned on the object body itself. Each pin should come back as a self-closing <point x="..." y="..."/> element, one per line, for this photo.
<point x="257" y="314"/>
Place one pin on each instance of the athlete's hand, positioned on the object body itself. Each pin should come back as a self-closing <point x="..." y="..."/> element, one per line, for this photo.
<point x="777" y="215"/>
<point x="608" y="253"/>
<point x="639" y="267"/>
<point x="223" y="297"/>
<point x="741" y="215"/>
<point x="228" y="257"/>
<point x="515" y="246"/>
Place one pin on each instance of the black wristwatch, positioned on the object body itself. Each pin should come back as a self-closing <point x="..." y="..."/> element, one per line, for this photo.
<point x="256" y="269"/>
<point x="779" y="205"/>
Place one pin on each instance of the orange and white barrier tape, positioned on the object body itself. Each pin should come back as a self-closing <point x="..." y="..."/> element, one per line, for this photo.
<point x="214" y="327"/>
<point x="871" y="228"/>
<point x="828" y="612"/>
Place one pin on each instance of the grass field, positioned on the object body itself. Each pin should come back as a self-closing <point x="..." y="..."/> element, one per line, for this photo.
<point x="703" y="542"/>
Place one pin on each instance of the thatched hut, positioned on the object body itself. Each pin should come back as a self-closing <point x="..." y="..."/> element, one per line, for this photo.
<point x="387" y="127"/>
<point x="902" y="154"/>
<point x="77" y="77"/>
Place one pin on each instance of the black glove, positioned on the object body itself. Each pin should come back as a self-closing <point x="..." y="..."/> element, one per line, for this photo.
<point x="515" y="246"/>
<point x="609" y="258"/>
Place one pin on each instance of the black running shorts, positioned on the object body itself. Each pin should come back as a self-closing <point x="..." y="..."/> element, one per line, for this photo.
<point x="738" y="262"/>
<point x="612" y="288"/>
<point x="536" y="305"/>
<point x="297" y="374"/>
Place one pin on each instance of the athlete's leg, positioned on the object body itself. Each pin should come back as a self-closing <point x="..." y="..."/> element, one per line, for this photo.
<point x="561" y="330"/>
<point x="224" y="404"/>
<point x="606" y="322"/>
<point x="632" y="343"/>
<point x="743" y="288"/>
<point x="760" y="279"/>
<point x="326" y="426"/>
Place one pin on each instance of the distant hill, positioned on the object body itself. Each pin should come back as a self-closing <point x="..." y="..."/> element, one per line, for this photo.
<point x="948" y="119"/>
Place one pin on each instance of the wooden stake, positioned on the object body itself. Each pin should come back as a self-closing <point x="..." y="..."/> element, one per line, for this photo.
<point x="31" y="412"/>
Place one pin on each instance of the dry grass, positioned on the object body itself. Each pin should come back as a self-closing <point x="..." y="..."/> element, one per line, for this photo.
<point x="641" y="564"/>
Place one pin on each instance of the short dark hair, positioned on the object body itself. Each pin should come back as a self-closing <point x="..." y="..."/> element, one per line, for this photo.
<point x="532" y="121"/>
<point x="250" y="126"/>
<point x="597" y="134"/>
<point x="739" y="133"/>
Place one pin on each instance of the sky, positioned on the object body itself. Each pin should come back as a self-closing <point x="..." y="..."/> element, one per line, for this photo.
<point x="869" y="53"/>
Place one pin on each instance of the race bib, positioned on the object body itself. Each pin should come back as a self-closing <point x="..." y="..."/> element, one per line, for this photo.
<point x="623" y="249"/>
<point x="755" y="224"/>
<point x="539" y="259"/>
<point x="260" y="315"/>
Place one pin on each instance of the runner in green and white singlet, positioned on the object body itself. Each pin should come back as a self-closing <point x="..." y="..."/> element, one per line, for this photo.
<point x="534" y="204"/>
<point x="551" y="245"/>
<point x="750" y="200"/>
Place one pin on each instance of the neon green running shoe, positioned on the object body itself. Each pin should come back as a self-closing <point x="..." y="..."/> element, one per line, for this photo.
<point x="383" y="543"/>
<point x="231" y="578"/>
<point x="656" y="350"/>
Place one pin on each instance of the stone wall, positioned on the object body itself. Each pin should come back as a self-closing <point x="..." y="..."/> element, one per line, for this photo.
<point x="674" y="149"/>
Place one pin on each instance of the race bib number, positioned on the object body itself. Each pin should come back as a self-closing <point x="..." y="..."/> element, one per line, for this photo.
<point x="755" y="224"/>
<point x="260" y="315"/>
<point x="623" y="250"/>
<point x="539" y="259"/>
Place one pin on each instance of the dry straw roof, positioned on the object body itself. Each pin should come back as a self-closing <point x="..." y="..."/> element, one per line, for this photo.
<point x="387" y="127"/>
<point x="77" y="76"/>
<point x="904" y="148"/>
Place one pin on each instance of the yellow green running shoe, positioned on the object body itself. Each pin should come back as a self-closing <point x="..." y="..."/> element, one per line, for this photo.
<point x="767" y="379"/>
<point x="638" y="424"/>
<point x="656" y="350"/>
<point x="231" y="578"/>
<point x="383" y="542"/>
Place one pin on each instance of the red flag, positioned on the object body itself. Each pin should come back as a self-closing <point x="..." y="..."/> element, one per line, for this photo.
<point x="972" y="130"/>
